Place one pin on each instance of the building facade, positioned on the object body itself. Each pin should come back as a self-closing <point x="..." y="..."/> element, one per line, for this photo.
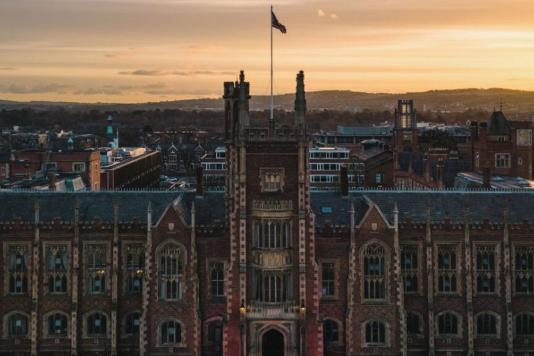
<point x="502" y="147"/>
<point x="267" y="267"/>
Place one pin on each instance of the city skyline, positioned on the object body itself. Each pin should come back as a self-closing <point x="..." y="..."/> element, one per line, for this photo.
<point x="138" y="50"/>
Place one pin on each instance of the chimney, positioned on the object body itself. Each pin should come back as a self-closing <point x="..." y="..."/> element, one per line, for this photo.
<point x="483" y="131"/>
<point x="486" y="178"/>
<point x="344" y="181"/>
<point x="200" y="183"/>
<point x="474" y="130"/>
<point x="51" y="176"/>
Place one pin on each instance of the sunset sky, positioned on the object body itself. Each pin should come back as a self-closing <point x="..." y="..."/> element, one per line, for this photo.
<point x="153" y="50"/>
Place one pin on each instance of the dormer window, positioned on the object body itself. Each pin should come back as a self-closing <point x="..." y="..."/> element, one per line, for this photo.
<point x="272" y="179"/>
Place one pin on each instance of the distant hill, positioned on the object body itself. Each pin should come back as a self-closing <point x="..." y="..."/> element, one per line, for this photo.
<point x="456" y="100"/>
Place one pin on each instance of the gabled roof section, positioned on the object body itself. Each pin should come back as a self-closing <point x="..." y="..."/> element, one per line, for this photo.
<point x="413" y="205"/>
<point x="373" y="206"/>
<point x="498" y="124"/>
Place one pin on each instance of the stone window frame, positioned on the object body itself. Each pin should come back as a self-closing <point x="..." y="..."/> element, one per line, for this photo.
<point x="421" y="330"/>
<point x="209" y="263"/>
<point x="124" y="320"/>
<point x="418" y="245"/>
<point x="335" y="262"/>
<point x="45" y="330"/>
<point x="264" y="171"/>
<point x="5" y="324"/>
<point x="497" y="325"/>
<point x="496" y="271"/>
<point x="181" y="278"/>
<point x="282" y="240"/>
<point x="499" y="156"/>
<point x="457" y="247"/>
<point x="207" y="344"/>
<point x="531" y="314"/>
<point x="29" y="266"/>
<point x="74" y="170"/>
<point x="182" y="343"/>
<point x="387" y="261"/>
<point x="340" y="331"/>
<point x="459" y="326"/>
<point x="515" y="271"/>
<point x="387" y="336"/>
<point x="86" y="315"/>
<point x="47" y="272"/>
<point x="107" y="267"/>
<point x="130" y="272"/>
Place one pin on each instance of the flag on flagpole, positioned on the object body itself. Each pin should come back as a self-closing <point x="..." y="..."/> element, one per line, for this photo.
<point x="276" y="24"/>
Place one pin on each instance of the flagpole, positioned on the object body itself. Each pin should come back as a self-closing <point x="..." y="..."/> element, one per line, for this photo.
<point x="271" y="118"/>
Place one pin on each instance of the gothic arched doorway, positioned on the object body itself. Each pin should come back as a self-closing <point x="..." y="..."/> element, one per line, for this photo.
<point x="272" y="343"/>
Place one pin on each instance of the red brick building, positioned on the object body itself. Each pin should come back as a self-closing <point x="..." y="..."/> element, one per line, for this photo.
<point x="503" y="147"/>
<point x="267" y="267"/>
<point x="26" y="164"/>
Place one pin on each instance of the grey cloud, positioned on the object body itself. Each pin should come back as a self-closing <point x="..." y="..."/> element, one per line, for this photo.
<point x="107" y="90"/>
<point x="156" y="72"/>
<point x="35" y="89"/>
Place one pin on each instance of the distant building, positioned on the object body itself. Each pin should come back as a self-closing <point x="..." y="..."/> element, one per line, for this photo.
<point x="473" y="180"/>
<point x="29" y="165"/>
<point x="142" y="171"/>
<point x="353" y="135"/>
<point x="503" y="147"/>
<point x="416" y="166"/>
<point x="214" y="169"/>
<point x="325" y="165"/>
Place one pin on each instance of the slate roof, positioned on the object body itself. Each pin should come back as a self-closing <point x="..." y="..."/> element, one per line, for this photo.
<point x="413" y="204"/>
<point x="329" y="207"/>
<point x="498" y="124"/>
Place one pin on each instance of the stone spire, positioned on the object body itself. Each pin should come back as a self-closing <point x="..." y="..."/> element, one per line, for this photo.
<point x="244" y="96"/>
<point x="300" y="102"/>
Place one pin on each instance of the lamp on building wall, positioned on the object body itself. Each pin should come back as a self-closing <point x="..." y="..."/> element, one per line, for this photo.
<point x="101" y="272"/>
<point x="242" y="308"/>
<point x="139" y="272"/>
<point x="302" y="307"/>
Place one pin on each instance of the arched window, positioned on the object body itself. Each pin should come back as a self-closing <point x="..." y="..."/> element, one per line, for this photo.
<point x="57" y="325"/>
<point x="134" y="266"/>
<point x="131" y="323"/>
<point x="273" y="286"/>
<point x="374" y="272"/>
<point x="413" y="323"/>
<point x="17" y="266"/>
<point x="96" y="261"/>
<point x="524" y="324"/>
<point x="171" y="272"/>
<point x="56" y="268"/>
<point x="448" y="324"/>
<point x="96" y="325"/>
<point x="217" y="279"/>
<point x="487" y="324"/>
<point x="273" y="234"/>
<point x="524" y="270"/>
<point x="447" y="263"/>
<point x="330" y="331"/>
<point x="17" y="325"/>
<point x="375" y="333"/>
<point x="171" y="333"/>
<point x="410" y="268"/>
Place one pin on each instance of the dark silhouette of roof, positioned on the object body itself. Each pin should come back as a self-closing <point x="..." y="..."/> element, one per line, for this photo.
<point x="498" y="124"/>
